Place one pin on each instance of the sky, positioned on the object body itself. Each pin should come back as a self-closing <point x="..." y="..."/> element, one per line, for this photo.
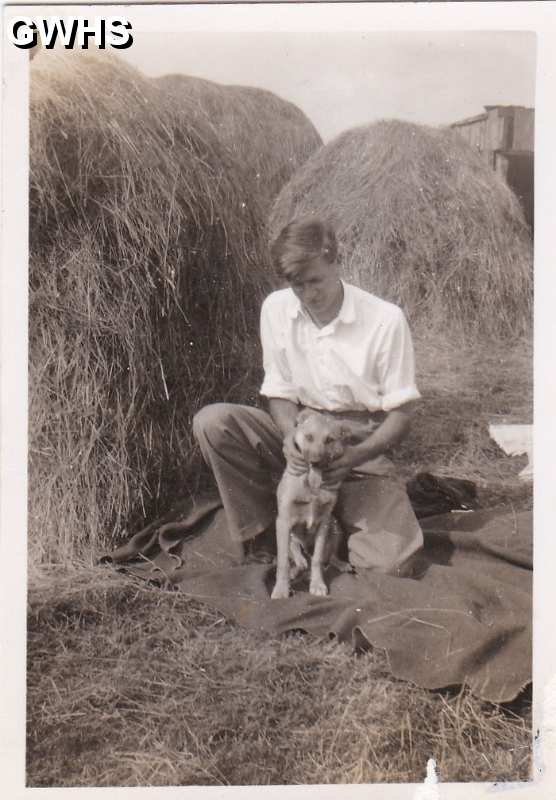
<point x="345" y="79"/>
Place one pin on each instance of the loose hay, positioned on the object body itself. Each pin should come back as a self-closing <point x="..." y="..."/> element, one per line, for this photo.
<point x="421" y="221"/>
<point x="132" y="686"/>
<point x="270" y="137"/>
<point x="146" y="273"/>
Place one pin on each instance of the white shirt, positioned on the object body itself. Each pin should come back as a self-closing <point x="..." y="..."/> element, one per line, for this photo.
<point x="361" y="361"/>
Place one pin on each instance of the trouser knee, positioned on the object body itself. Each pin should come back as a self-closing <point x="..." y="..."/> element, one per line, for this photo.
<point x="210" y="421"/>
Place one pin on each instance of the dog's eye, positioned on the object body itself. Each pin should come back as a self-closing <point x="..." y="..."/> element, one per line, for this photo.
<point x="328" y="440"/>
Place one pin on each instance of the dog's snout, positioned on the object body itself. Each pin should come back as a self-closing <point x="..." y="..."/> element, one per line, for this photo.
<point x="317" y="439"/>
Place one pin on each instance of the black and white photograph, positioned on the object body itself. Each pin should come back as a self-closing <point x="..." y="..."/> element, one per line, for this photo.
<point x="281" y="273"/>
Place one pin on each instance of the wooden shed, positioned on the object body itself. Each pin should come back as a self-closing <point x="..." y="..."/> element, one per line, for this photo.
<point x="505" y="138"/>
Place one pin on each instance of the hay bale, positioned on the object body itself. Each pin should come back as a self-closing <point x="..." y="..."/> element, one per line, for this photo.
<point x="422" y="221"/>
<point x="270" y="137"/>
<point x="146" y="275"/>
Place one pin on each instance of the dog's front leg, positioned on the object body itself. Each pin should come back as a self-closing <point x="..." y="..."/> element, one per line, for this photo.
<point x="282" y="585"/>
<point x="317" y="585"/>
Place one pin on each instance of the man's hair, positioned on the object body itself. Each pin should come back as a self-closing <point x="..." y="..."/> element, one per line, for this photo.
<point x="300" y="241"/>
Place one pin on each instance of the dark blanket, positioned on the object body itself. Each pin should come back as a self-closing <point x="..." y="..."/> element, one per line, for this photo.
<point x="465" y="620"/>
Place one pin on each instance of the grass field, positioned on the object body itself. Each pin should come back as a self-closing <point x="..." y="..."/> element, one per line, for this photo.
<point x="130" y="685"/>
<point x="466" y="387"/>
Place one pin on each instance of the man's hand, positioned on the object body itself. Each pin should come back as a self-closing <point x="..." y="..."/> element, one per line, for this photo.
<point x="296" y="463"/>
<point x="391" y="431"/>
<point x="338" y="470"/>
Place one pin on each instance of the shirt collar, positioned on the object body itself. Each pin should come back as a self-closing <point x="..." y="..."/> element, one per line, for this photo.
<point x="346" y="313"/>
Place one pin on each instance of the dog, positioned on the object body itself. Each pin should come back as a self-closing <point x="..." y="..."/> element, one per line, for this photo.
<point x="305" y="504"/>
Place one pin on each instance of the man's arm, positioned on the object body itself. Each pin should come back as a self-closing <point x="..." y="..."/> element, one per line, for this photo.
<point x="283" y="413"/>
<point x="391" y="431"/>
<point x="278" y="389"/>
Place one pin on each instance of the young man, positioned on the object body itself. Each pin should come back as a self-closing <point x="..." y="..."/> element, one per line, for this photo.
<point x="330" y="346"/>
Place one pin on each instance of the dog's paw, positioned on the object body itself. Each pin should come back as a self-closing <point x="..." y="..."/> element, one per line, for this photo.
<point x="280" y="592"/>
<point x="318" y="588"/>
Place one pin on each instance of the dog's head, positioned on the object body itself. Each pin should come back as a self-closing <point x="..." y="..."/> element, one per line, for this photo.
<point x="319" y="438"/>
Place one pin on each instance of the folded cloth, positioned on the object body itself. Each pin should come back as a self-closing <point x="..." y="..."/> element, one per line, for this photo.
<point x="465" y="620"/>
<point x="433" y="494"/>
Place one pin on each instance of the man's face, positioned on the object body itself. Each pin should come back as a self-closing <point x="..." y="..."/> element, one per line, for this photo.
<point x="318" y="287"/>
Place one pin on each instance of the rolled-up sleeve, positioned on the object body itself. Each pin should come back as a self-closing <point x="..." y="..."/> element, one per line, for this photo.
<point x="397" y="364"/>
<point x="277" y="374"/>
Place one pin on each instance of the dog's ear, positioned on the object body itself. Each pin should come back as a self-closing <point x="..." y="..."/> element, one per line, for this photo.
<point x="345" y="434"/>
<point x="304" y="414"/>
<point x="356" y="432"/>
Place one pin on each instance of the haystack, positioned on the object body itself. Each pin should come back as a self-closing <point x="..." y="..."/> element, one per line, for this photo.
<point x="270" y="137"/>
<point x="146" y="274"/>
<point x="422" y="221"/>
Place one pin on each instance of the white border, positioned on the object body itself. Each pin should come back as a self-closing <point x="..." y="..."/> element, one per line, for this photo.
<point x="453" y="16"/>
